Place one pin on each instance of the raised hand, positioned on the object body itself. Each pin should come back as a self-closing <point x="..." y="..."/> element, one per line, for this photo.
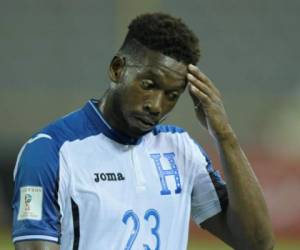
<point x="208" y="103"/>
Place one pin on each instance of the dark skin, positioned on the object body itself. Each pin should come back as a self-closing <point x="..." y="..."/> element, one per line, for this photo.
<point x="246" y="223"/>
<point x="142" y="95"/>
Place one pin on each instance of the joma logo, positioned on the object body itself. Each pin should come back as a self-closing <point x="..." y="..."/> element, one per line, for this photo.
<point x="109" y="177"/>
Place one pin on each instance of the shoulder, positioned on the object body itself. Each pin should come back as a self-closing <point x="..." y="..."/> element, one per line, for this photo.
<point x="173" y="133"/>
<point x="38" y="158"/>
<point x="180" y="138"/>
<point x="41" y="151"/>
<point x="174" y="136"/>
<point x="47" y="142"/>
<point x="167" y="134"/>
<point x="73" y="126"/>
<point x="167" y="128"/>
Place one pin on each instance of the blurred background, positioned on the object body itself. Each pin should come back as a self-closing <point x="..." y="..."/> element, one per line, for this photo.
<point x="54" y="56"/>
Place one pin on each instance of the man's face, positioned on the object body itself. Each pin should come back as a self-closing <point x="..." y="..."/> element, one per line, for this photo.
<point x="148" y="92"/>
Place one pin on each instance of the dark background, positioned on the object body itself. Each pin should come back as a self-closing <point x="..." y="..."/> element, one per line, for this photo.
<point x="54" y="57"/>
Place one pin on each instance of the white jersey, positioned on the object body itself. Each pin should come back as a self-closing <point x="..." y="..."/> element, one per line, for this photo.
<point x="83" y="185"/>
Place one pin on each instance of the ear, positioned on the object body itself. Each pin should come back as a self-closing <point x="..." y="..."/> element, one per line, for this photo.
<point x="116" y="68"/>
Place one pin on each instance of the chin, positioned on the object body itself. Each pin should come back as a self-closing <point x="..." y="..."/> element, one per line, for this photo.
<point x="138" y="132"/>
<point x="136" y="128"/>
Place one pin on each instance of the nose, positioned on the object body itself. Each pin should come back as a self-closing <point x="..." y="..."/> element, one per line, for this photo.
<point x="153" y="104"/>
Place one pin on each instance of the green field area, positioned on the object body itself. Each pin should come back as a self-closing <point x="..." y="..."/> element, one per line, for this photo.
<point x="5" y="244"/>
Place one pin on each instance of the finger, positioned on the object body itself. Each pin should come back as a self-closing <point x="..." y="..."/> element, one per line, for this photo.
<point x="194" y="98"/>
<point x="196" y="71"/>
<point x="200" y="75"/>
<point x="200" y="85"/>
<point x="201" y="96"/>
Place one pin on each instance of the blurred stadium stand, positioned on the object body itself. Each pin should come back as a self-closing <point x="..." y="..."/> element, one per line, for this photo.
<point x="54" y="56"/>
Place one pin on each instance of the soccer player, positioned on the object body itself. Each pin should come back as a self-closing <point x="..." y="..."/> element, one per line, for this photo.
<point x="108" y="176"/>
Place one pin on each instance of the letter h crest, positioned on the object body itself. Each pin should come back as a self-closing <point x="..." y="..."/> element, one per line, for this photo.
<point x="163" y="173"/>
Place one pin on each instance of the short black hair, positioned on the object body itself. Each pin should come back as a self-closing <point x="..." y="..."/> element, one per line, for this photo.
<point x="166" y="34"/>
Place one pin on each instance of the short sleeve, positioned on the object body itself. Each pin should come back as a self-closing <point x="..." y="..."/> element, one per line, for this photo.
<point x="36" y="209"/>
<point x="209" y="194"/>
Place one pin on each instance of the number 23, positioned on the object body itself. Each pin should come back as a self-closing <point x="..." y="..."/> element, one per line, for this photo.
<point x="136" y="227"/>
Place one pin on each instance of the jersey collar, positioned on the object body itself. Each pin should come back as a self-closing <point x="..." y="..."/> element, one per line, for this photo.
<point x="98" y="121"/>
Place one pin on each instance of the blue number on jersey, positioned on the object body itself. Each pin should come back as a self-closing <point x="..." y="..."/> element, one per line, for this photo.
<point x="154" y="230"/>
<point x="165" y="172"/>
<point x="136" y="227"/>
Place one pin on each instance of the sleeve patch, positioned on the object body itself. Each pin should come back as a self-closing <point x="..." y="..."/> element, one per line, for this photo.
<point x="31" y="200"/>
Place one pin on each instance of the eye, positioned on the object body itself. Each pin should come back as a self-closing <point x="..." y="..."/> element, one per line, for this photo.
<point x="147" y="84"/>
<point x="173" y="95"/>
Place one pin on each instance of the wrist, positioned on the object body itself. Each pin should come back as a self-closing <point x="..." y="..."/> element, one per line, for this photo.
<point x="225" y="135"/>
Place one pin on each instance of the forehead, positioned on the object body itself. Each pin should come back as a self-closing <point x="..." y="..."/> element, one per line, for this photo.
<point x="164" y="69"/>
<point x="158" y="63"/>
<point x="165" y="62"/>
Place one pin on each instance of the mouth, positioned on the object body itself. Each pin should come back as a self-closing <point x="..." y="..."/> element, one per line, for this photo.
<point x="144" y="122"/>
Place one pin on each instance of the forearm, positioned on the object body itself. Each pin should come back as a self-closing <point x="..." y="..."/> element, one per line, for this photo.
<point x="247" y="217"/>
<point x="247" y="209"/>
<point x="36" y="245"/>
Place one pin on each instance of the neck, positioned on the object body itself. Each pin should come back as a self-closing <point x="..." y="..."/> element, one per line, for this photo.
<point x="106" y="106"/>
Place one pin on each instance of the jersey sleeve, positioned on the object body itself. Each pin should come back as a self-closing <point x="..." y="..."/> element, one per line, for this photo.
<point x="36" y="199"/>
<point x="209" y="193"/>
